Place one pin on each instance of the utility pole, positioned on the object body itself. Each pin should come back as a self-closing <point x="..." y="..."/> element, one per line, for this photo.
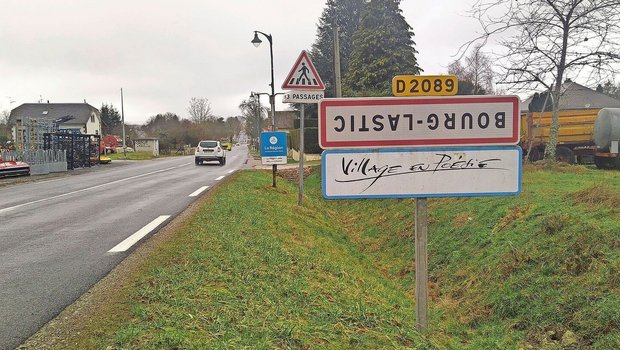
<point x="123" y="123"/>
<point x="337" y="78"/>
<point x="301" y="156"/>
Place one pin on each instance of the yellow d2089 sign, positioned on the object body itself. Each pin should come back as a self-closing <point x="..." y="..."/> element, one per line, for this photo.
<point x="425" y="85"/>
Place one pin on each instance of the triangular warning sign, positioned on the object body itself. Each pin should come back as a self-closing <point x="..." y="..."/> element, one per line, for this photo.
<point x="303" y="76"/>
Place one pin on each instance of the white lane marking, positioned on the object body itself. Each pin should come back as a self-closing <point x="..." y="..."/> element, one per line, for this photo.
<point x="230" y="171"/>
<point x="198" y="191"/>
<point x="88" y="188"/>
<point x="131" y="240"/>
<point x="219" y="178"/>
<point x="47" y="181"/>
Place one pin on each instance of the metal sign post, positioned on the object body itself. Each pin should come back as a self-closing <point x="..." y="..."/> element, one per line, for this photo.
<point x="301" y="156"/>
<point x="421" y="265"/>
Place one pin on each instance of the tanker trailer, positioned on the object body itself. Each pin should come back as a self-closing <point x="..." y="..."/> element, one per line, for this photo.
<point x="607" y="138"/>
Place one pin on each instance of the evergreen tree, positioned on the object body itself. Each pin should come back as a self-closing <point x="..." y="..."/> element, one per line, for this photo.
<point x="609" y="89"/>
<point x="382" y="48"/>
<point x="110" y="118"/>
<point x="346" y="15"/>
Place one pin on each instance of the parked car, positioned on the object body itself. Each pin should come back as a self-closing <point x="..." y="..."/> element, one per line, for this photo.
<point x="13" y="168"/>
<point x="209" y="150"/>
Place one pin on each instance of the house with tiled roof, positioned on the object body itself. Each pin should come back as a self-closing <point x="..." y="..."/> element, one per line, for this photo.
<point x="578" y="97"/>
<point x="30" y="121"/>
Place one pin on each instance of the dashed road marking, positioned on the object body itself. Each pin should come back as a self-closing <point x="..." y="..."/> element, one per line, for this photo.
<point x="133" y="239"/>
<point x="198" y="191"/>
<point x="219" y="178"/>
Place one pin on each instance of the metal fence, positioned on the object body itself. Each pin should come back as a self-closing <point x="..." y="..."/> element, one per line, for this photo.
<point x="41" y="161"/>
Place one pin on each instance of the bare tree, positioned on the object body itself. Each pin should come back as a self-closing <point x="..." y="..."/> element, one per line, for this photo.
<point x="253" y="119"/>
<point x="233" y="126"/>
<point x="199" y="110"/>
<point x="5" y="129"/>
<point x="546" y="41"/>
<point x="476" y="76"/>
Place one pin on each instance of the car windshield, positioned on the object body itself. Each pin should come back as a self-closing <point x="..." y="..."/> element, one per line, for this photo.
<point x="208" y="144"/>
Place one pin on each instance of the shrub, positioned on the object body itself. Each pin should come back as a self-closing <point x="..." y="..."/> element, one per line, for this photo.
<point x="311" y="140"/>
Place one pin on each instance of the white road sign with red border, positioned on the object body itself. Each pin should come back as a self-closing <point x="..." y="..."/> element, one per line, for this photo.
<point x="303" y="75"/>
<point x="418" y="121"/>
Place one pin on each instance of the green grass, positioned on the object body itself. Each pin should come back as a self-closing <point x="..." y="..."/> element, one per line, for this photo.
<point x="252" y="270"/>
<point x="507" y="272"/>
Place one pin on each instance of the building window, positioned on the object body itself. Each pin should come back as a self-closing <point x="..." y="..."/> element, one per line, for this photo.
<point x="92" y="118"/>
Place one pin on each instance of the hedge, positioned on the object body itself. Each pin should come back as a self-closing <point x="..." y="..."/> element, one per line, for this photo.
<point x="308" y="123"/>
<point x="311" y="140"/>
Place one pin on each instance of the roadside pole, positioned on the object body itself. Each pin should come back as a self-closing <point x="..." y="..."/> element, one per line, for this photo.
<point x="337" y="79"/>
<point x="301" y="156"/>
<point x="421" y="264"/>
<point x="272" y="100"/>
<point x="123" y="122"/>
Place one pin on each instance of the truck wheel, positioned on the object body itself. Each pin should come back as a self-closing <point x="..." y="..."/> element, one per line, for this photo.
<point x="601" y="162"/>
<point x="196" y="161"/>
<point x="535" y="154"/>
<point x="565" y="154"/>
<point x="222" y="161"/>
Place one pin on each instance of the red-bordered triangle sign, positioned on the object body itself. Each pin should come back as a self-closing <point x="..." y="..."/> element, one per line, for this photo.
<point x="303" y="76"/>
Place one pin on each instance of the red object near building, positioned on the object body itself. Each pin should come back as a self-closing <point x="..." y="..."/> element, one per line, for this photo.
<point x="13" y="168"/>
<point x="112" y="141"/>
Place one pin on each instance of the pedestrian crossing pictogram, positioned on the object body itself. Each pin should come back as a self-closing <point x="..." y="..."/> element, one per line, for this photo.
<point x="303" y="75"/>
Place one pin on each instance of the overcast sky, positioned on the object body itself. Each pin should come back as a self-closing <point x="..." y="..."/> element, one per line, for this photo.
<point x="163" y="52"/>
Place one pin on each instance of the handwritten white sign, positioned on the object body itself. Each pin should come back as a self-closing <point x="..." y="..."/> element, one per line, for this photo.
<point x="422" y="172"/>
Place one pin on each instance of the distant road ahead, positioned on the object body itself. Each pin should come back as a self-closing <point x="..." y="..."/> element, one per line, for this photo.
<point x="60" y="237"/>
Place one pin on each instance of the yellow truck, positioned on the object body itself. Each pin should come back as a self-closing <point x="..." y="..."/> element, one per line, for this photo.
<point x="575" y="136"/>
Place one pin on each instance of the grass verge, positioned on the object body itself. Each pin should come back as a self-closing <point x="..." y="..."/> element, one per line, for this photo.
<point x="252" y="270"/>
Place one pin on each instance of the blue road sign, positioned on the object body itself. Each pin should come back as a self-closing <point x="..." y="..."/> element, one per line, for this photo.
<point x="273" y="147"/>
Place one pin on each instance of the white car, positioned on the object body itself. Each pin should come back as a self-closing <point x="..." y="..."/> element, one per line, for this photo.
<point x="209" y="150"/>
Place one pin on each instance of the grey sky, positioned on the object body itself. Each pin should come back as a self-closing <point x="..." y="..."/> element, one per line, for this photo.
<point x="163" y="52"/>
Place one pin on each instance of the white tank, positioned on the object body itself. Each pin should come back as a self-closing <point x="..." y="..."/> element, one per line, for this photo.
<point x="607" y="127"/>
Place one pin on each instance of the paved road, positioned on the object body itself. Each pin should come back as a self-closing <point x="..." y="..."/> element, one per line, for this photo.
<point x="59" y="237"/>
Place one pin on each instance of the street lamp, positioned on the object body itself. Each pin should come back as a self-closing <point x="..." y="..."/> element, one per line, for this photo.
<point x="272" y="98"/>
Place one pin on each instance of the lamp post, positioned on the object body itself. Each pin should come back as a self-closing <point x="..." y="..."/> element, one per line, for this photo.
<point x="272" y="98"/>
